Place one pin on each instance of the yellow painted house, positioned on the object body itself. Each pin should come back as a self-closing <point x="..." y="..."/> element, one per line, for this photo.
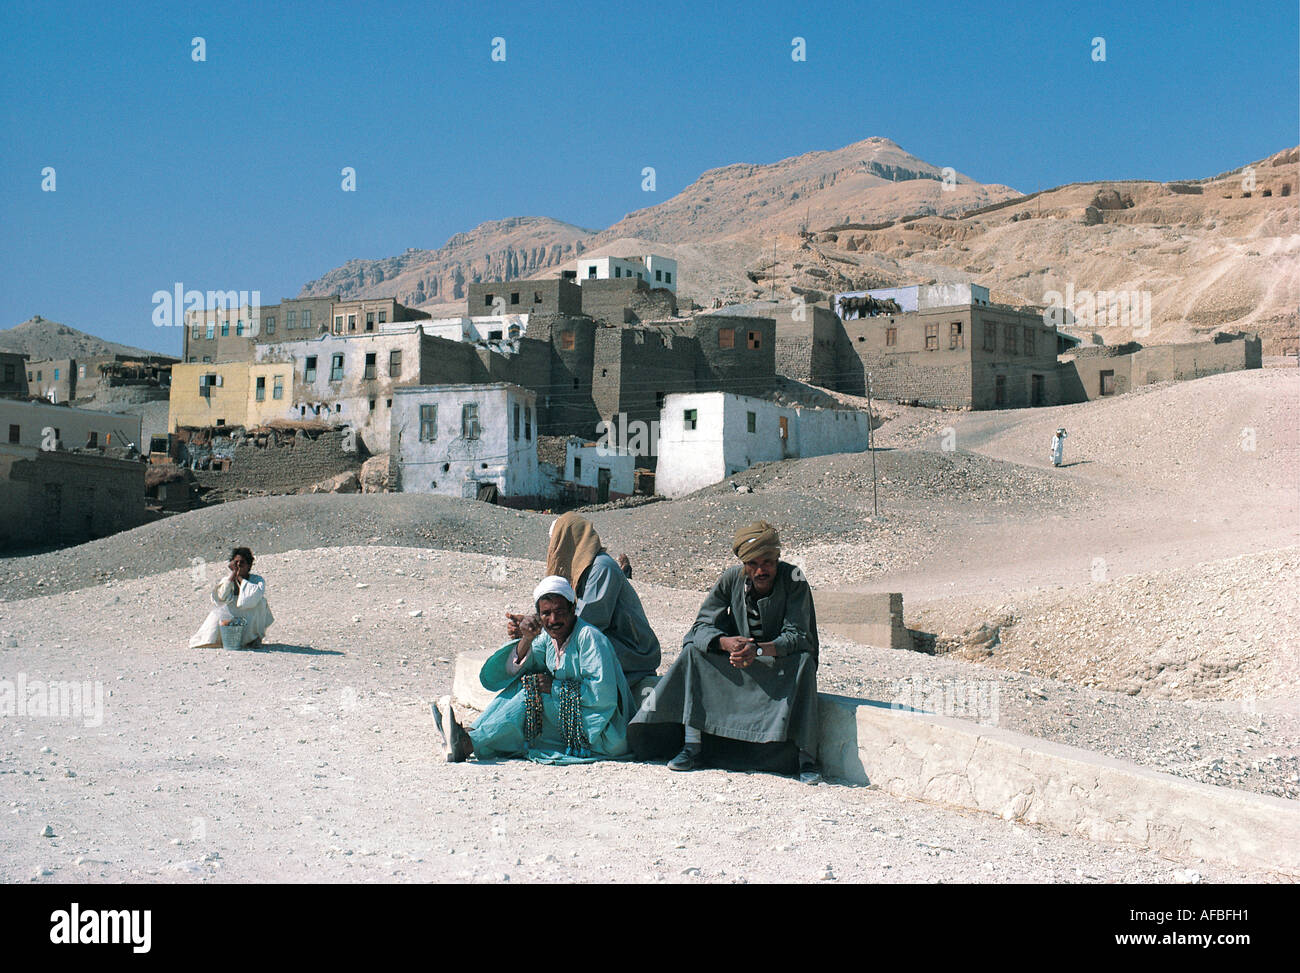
<point x="230" y="394"/>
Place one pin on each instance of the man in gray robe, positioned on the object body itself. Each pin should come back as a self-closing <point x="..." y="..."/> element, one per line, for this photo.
<point x="744" y="688"/>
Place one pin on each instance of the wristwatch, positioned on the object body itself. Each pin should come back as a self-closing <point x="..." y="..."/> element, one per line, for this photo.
<point x="759" y="651"/>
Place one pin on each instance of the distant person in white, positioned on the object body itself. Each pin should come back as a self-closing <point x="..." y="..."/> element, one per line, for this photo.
<point x="238" y="595"/>
<point x="1058" y="446"/>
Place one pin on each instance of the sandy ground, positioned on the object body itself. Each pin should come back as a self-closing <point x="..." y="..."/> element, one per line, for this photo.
<point x="314" y="759"/>
<point x="1141" y="598"/>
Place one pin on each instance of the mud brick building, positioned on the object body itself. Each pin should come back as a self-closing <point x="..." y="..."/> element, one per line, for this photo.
<point x="50" y="497"/>
<point x="972" y="355"/>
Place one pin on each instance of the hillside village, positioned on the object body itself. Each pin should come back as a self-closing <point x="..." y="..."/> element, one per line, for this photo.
<point x="400" y="431"/>
<point x="597" y="370"/>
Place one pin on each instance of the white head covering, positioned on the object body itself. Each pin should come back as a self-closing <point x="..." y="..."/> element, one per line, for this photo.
<point x="553" y="584"/>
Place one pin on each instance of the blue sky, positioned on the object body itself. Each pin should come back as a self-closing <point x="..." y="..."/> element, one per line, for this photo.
<point x="226" y="173"/>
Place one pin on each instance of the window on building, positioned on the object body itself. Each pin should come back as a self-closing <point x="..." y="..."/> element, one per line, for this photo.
<point x="690" y="418"/>
<point x="225" y="329"/>
<point x="726" y="337"/>
<point x="528" y="423"/>
<point x="388" y="403"/>
<point x="56" y="375"/>
<point x="40" y="375"/>
<point x="517" y="411"/>
<point x="494" y="335"/>
<point x="537" y="297"/>
<point x="13" y="433"/>
<point x="309" y="371"/>
<point x="990" y="337"/>
<point x="668" y="276"/>
<point x="1029" y="340"/>
<point x="191" y="359"/>
<point x="955" y="338"/>
<point x="29" y="376"/>
<point x="277" y="388"/>
<point x="370" y="320"/>
<point x="352" y="322"/>
<point x="428" y="423"/>
<point x="239" y="328"/>
<point x="372" y="405"/>
<point x="211" y="331"/>
<point x="290" y="320"/>
<point x="891" y="337"/>
<point x="270" y="324"/>
<point x="659" y="276"/>
<point x="469" y="428"/>
<point x="383" y="317"/>
<point x="1009" y="338"/>
<point x="751" y="422"/>
<point x="659" y="400"/>
<point x="338" y="324"/>
<point x="261" y="388"/>
<point x="618" y="271"/>
<point x="514" y="297"/>
<point x="591" y="272"/>
<point x="194" y="333"/>
<point x="487" y="300"/>
<point x="336" y="368"/>
<point x="221" y="422"/>
<point x="566" y="340"/>
<point x="207" y="359"/>
<point x="394" y="363"/>
<point x="785" y="427"/>
<point x="370" y="365"/>
<point x="577" y="467"/>
<point x="999" y="390"/>
<point x="306" y="318"/>
<point x="754" y="340"/>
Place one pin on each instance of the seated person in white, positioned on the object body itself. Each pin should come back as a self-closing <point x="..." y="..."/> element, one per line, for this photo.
<point x="239" y="595"/>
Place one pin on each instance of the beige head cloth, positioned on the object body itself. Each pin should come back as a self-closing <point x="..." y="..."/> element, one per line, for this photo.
<point x="756" y="540"/>
<point x="574" y="545"/>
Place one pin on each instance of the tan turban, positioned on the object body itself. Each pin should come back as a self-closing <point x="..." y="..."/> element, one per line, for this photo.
<point x="574" y="545"/>
<point x="756" y="540"/>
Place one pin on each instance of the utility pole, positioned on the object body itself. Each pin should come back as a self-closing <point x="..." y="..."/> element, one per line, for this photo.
<point x="871" y="445"/>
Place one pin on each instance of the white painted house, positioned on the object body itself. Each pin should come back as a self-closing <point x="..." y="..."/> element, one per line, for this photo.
<point x="455" y="439"/>
<point x="496" y="327"/>
<point x="599" y="472"/>
<point x="654" y="270"/>
<point x="705" y="437"/>
<point x="46" y="426"/>
<point x="348" y="378"/>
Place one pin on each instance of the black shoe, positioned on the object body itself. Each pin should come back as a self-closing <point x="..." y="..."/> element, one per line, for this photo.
<point x="688" y="759"/>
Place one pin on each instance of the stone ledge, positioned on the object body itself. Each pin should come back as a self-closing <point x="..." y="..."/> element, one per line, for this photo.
<point x="1022" y="778"/>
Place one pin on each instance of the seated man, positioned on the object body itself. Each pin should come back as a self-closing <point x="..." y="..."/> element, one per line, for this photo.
<point x="606" y="597"/>
<point x="747" y="671"/>
<point x="564" y="698"/>
<point x="239" y="596"/>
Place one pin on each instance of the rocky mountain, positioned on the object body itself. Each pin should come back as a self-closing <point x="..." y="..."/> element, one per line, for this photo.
<point x="38" y="338"/>
<point x="521" y="247"/>
<point x="872" y="180"/>
<point x="1211" y="253"/>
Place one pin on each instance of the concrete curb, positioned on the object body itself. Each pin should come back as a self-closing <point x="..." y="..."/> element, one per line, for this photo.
<point x="1022" y="778"/>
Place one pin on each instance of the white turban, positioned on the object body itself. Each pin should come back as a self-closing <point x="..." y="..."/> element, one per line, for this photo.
<point x="554" y="585"/>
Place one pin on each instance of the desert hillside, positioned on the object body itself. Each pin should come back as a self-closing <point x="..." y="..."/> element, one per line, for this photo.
<point x="1211" y="257"/>
<point x="39" y="338"/>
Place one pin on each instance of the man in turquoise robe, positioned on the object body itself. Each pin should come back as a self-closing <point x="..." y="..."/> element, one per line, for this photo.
<point x="563" y="696"/>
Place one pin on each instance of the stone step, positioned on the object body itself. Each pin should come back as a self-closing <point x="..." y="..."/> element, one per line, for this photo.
<point x="958" y="763"/>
